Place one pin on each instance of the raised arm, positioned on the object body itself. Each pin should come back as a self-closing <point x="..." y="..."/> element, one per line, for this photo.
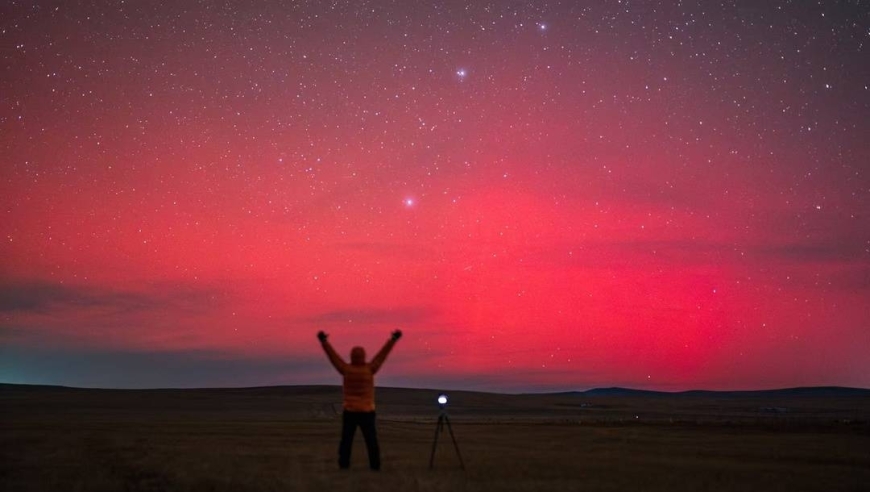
<point x="379" y="359"/>
<point x="334" y="358"/>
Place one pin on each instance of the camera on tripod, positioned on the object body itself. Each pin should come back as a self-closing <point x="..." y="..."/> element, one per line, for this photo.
<point x="444" y="421"/>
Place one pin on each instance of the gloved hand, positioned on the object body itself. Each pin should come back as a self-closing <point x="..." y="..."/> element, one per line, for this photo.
<point x="397" y="335"/>
<point x="321" y="335"/>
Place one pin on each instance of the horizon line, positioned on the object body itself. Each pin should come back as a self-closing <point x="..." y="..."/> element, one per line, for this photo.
<point x="338" y="386"/>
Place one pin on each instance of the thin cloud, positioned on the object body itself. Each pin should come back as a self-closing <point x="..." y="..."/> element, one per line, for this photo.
<point x="41" y="297"/>
<point x="373" y="316"/>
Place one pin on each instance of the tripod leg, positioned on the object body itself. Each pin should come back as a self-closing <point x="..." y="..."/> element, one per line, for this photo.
<point x="438" y="429"/>
<point x="455" y="446"/>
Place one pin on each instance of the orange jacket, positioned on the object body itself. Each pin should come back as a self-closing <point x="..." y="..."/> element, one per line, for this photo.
<point x="359" y="381"/>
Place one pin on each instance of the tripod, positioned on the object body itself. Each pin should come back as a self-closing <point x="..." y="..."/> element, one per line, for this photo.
<point x="439" y="428"/>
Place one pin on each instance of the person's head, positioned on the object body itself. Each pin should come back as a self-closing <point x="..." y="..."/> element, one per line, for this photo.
<point x="358" y="356"/>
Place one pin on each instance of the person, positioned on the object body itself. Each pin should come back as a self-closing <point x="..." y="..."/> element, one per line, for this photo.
<point x="358" y="390"/>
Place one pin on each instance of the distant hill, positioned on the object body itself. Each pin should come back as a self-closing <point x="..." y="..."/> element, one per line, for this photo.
<point x="813" y="391"/>
<point x="616" y="391"/>
<point x="809" y="391"/>
<point x="279" y="403"/>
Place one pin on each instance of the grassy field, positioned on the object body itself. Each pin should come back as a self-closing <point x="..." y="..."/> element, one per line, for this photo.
<point x="55" y="439"/>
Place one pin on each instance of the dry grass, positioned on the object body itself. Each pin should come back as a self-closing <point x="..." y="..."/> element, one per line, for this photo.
<point x="153" y="441"/>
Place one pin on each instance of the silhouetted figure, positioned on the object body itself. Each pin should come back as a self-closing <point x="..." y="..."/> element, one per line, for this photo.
<point x="359" y="397"/>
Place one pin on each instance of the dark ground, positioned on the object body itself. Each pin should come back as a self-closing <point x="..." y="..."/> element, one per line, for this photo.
<point x="285" y="438"/>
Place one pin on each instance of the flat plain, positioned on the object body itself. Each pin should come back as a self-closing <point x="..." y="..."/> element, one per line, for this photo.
<point x="285" y="438"/>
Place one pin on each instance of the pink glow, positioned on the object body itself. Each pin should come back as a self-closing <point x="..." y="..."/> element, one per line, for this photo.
<point x="580" y="207"/>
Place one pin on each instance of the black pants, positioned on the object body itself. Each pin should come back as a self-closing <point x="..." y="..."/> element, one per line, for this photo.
<point x="366" y="422"/>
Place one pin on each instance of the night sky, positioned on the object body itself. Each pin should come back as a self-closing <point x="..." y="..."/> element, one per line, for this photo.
<point x="542" y="195"/>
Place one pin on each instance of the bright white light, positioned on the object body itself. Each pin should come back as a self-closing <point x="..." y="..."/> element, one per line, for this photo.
<point x="461" y="73"/>
<point x="409" y="202"/>
<point x="442" y="399"/>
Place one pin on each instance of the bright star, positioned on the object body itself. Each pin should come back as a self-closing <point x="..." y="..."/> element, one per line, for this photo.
<point x="461" y="73"/>
<point x="409" y="202"/>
